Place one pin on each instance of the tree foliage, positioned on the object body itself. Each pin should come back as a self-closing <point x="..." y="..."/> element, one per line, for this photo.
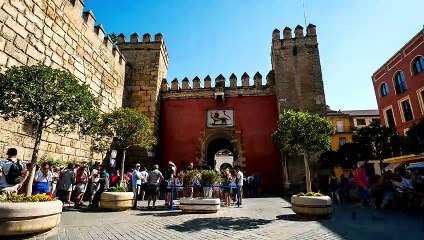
<point x="416" y="137"/>
<point x="126" y="128"/>
<point x="46" y="97"/>
<point x="373" y="141"/>
<point x="301" y="132"/>
<point x="113" y="37"/>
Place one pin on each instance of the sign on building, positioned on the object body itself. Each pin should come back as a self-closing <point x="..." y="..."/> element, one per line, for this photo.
<point x="220" y="118"/>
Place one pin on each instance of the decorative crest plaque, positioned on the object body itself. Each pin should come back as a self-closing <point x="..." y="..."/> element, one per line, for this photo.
<point x="220" y="118"/>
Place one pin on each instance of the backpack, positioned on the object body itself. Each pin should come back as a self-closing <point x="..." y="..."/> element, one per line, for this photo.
<point x="15" y="173"/>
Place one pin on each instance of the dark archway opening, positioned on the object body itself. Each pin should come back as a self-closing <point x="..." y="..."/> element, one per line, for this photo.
<point x="221" y="146"/>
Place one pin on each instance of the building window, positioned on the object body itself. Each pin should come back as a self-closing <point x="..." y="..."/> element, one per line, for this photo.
<point x="384" y="89"/>
<point x="376" y="120"/>
<point x="400" y="84"/>
<point x="422" y="100"/>
<point x="340" y="126"/>
<point x="390" y="119"/>
<point x="406" y="110"/>
<point x="418" y="65"/>
<point x="360" y="122"/>
<point x="342" y="141"/>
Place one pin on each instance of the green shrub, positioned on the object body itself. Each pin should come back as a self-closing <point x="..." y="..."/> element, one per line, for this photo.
<point x="210" y="177"/>
<point x="118" y="189"/>
<point x="21" y="198"/>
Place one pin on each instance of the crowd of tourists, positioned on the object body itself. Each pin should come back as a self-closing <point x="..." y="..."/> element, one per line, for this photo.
<point x="175" y="184"/>
<point x="401" y="188"/>
<point x="77" y="183"/>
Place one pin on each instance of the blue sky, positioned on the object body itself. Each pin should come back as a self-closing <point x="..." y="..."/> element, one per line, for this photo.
<point x="224" y="36"/>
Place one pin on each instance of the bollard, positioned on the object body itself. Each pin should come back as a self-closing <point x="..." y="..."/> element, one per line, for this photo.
<point x="238" y="196"/>
<point x="171" y="206"/>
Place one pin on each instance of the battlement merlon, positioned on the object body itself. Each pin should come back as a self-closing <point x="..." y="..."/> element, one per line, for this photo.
<point x="73" y="9"/>
<point x="145" y="44"/>
<point x="219" y="83"/>
<point x="298" y="39"/>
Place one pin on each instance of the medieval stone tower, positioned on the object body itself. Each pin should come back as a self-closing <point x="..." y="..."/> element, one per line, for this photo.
<point x="297" y="68"/>
<point x="146" y="66"/>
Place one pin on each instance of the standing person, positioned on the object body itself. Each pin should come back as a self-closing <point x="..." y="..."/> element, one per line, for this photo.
<point x="136" y="179"/>
<point x="362" y="184"/>
<point x="169" y="178"/>
<point x="95" y="185"/>
<point x="42" y="179"/>
<point x="103" y="185"/>
<point x="81" y="180"/>
<point x="154" y="179"/>
<point x="239" y="182"/>
<point x="343" y="189"/>
<point x="114" y="179"/>
<point x="12" y="173"/>
<point x="55" y="176"/>
<point x="334" y="187"/>
<point x="227" y="187"/>
<point x="144" y="175"/>
<point x="66" y="180"/>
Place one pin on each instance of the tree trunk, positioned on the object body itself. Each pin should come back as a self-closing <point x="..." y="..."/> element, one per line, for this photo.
<point x="307" y="172"/>
<point x="121" y="178"/>
<point x="34" y="157"/>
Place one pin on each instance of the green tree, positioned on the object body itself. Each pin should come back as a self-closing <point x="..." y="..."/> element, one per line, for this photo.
<point x="302" y="133"/>
<point x="46" y="98"/>
<point x="416" y="137"/>
<point x="373" y="141"/>
<point x="124" y="128"/>
<point x="113" y="37"/>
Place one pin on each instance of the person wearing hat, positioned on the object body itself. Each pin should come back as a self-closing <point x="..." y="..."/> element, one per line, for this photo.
<point x="136" y="178"/>
<point x="169" y="179"/>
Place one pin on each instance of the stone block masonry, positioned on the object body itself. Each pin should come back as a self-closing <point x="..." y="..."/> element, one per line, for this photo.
<point x="59" y="34"/>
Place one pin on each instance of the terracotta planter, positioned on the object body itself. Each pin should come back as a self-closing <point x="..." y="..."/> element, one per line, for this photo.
<point x="29" y="218"/>
<point x="312" y="206"/>
<point x="116" y="201"/>
<point x="199" y="205"/>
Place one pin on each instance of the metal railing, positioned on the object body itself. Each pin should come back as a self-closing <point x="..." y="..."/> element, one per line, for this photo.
<point x="174" y="187"/>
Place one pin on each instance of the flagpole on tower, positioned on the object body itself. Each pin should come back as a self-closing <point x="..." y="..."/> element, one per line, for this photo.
<point x="304" y="13"/>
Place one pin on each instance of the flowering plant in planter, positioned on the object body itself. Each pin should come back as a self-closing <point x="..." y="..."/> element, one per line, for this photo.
<point x="310" y="194"/>
<point x="118" y="189"/>
<point x="21" y="198"/>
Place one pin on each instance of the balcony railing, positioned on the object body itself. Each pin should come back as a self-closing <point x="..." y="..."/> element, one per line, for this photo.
<point x="344" y="129"/>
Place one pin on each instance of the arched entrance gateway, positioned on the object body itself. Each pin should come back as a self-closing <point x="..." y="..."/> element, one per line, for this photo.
<point x="220" y="154"/>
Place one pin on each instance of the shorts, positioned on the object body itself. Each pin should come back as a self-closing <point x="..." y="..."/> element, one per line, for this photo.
<point x="81" y="187"/>
<point x="227" y="189"/>
<point x="40" y="187"/>
<point x="143" y="187"/>
<point x="153" y="189"/>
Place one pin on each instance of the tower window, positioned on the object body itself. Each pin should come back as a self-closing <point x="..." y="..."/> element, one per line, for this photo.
<point x="294" y="51"/>
<point x="384" y="89"/>
<point x="400" y="83"/>
<point x="418" y="65"/>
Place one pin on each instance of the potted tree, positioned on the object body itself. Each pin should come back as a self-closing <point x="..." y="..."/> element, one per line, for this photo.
<point x="206" y="204"/>
<point x="121" y="129"/>
<point x="45" y="98"/>
<point x="302" y="134"/>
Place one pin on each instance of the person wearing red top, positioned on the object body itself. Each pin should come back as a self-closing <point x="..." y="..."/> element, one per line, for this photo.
<point x="362" y="184"/>
<point x="114" y="180"/>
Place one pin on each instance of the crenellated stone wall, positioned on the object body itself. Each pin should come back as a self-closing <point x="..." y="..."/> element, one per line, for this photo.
<point x="298" y="77"/>
<point x="58" y="34"/>
<point x="258" y="88"/>
<point x="146" y="66"/>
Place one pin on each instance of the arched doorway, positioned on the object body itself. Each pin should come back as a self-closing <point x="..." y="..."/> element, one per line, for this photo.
<point x="224" y="158"/>
<point x="223" y="147"/>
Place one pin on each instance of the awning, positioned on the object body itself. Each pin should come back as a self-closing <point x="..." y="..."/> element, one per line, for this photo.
<point x="406" y="158"/>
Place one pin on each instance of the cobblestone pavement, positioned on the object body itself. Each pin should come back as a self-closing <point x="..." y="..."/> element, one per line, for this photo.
<point x="259" y="218"/>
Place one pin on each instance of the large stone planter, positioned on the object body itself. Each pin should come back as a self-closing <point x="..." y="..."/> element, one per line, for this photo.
<point x="116" y="201"/>
<point x="29" y="218"/>
<point x="199" y="205"/>
<point x="312" y="206"/>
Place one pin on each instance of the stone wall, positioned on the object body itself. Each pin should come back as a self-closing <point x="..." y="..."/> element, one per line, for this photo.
<point x="146" y="67"/>
<point x="58" y="34"/>
<point x="296" y="63"/>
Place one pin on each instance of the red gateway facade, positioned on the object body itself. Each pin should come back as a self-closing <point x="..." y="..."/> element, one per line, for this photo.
<point x="399" y="86"/>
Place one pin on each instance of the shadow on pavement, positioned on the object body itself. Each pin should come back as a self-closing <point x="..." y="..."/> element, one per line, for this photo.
<point x="221" y="223"/>
<point x="294" y="218"/>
